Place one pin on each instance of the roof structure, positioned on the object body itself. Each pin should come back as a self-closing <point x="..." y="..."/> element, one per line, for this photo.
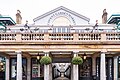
<point x="114" y="19"/>
<point x="5" y="20"/>
<point x="61" y="8"/>
<point x="2" y="27"/>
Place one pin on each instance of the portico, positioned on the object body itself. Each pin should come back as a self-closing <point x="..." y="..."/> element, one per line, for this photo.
<point x="92" y="53"/>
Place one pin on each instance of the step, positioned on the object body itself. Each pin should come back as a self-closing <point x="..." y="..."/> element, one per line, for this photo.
<point x="62" y="78"/>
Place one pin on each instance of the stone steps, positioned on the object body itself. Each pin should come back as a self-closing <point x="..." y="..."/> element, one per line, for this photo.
<point x="62" y="78"/>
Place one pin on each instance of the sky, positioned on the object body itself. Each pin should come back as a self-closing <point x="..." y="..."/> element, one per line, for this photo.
<point x="31" y="9"/>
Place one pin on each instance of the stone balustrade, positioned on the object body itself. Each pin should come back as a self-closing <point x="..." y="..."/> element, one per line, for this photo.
<point x="49" y="37"/>
<point x="7" y="36"/>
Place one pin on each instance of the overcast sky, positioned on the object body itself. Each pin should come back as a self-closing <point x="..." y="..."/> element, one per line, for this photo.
<point x="32" y="8"/>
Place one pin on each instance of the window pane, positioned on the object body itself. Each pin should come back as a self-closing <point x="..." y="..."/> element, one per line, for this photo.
<point x="37" y="69"/>
<point x="119" y="67"/>
<point x="59" y="30"/>
<point x="14" y="68"/>
<point x="68" y="29"/>
<point x="63" y="30"/>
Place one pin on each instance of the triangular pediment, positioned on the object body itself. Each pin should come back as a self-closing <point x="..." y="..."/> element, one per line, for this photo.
<point x="61" y="11"/>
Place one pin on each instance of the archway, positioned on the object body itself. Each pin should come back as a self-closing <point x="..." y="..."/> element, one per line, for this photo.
<point x="61" y="67"/>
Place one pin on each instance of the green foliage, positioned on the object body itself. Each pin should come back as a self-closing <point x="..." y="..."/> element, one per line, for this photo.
<point x="77" y="60"/>
<point x="45" y="60"/>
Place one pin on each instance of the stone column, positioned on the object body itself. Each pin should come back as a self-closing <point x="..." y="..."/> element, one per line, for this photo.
<point x="7" y="69"/>
<point x="19" y="65"/>
<point x="102" y="67"/>
<point x="38" y="70"/>
<point x="93" y="65"/>
<point x="75" y="69"/>
<point x="28" y="68"/>
<point x="116" y="68"/>
<point x="71" y="72"/>
<point x="50" y="72"/>
<point x="46" y="70"/>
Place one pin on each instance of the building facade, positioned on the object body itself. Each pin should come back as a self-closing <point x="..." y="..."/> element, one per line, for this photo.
<point x="60" y="34"/>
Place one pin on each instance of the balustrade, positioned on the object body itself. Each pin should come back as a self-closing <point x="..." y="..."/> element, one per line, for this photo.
<point x="7" y="36"/>
<point x="113" y="36"/>
<point x="46" y="37"/>
<point x="89" y="36"/>
<point x="61" y="36"/>
<point x="32" y="36"/>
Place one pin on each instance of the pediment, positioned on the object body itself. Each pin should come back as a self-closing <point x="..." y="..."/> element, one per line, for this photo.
<point x="49" y="17"/>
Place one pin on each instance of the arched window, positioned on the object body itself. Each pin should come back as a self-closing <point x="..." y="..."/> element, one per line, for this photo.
<point x="61" y="24"/>
<point x="61" y="21"/>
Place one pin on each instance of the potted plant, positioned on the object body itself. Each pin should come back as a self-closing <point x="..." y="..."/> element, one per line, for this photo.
<point x="77" y="60"/>
<point x="46" y="60"/>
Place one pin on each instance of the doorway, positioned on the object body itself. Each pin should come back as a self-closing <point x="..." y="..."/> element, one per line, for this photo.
<point x="85" y="69"/>
<point x="37" y="70"/>
<point x="109" y="68"/>
<point x="61" y="71"/>
<point x="61" y="67"/>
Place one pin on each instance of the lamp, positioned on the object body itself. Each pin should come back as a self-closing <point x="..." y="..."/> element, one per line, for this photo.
<point x="1" y="63"/>
<point x="38" y="56"/>
<point x="84" y="56"/>
<point x="60" y="52"/>
<point x="1" y="66"/>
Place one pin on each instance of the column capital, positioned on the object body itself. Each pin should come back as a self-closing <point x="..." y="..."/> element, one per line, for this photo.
<point x="103" y="50"/>
<point x="76" y="51"/>
<point x="46" y="52"/>
<point x="18" y="52"/>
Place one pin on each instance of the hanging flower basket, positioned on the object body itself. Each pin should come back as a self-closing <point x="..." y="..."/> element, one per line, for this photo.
<point x="77" y="60"/>
<point x="46" y="60"/>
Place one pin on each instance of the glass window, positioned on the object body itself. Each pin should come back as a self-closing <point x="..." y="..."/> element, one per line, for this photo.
<point x="63" y="30"/>
<point x="77" y="30"/>
<point x="68" y="29"/>
<point x="59" y="30"/>
<point x="37" y="69"/>
<point x="45" y="30"/>
<point x="119" y="67"/>
<point x="14" y="68"/>
<point x="54" y="30"/>
<point x="86" y="69"/>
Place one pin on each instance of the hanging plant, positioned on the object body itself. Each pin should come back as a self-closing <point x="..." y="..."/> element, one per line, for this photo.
<point x="46" y="60"/>
<point x="77" y="60"/>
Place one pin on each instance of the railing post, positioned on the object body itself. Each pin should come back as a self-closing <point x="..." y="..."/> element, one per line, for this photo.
<point x="103" y="36"/>
<point x="46" y="36"/>
<point x="75" y="36"/>
<point x="18" y="37"/>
